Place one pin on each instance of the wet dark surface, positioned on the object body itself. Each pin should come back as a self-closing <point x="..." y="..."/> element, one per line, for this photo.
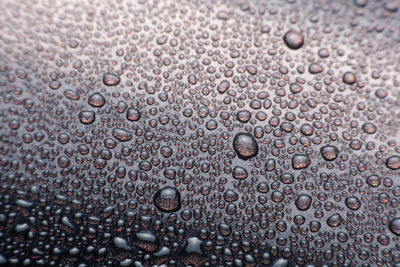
<point x="199" y="133"/>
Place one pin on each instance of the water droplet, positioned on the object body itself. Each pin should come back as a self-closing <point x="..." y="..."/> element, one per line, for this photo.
<point x="393" y="162"/>
<point x="111" y="79"/>
<point x="394" y="226"/>
<point x="223" y="15"/>
<point x="335" y="220"/>
<point x="121" y="243"/>
<point x="245" y="145"/>
<point x="353" y="203"/>
<point x="146" y="241"/>
<point x="293" y="39"/>
<point x="133" y="114"/>
<point x="303" y="202"/>
<point x="369" y="128"/>
<point x="315" y="68"/>
<point x="349" y="77"/>
<point x="239" y="173"/>
<point x="87" y="117"/>
<point x="167" y="199"/>
<point x="230" y="196"/>
<point x="329" y="152"/>
<point x="96" y="100"/>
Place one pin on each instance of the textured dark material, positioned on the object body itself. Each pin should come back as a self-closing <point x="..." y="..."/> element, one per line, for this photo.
<point x="200" y="133"/>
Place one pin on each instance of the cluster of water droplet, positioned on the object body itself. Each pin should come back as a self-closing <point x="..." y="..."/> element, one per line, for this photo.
<point x="199" y="133"/>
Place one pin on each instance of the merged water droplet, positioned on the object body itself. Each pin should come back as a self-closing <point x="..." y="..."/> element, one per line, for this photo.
<point x="300" y="161"/>
<point x="122" y="135"/>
